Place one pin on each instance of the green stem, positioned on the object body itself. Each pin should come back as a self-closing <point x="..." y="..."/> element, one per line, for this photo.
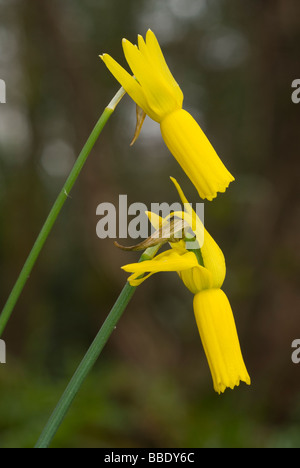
<point x="84" y="368"/>
<point x="61" y="199"/>
<point x="89" y="360"/>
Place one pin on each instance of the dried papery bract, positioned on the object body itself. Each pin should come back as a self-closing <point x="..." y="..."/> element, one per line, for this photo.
<point x="172" y="230"/>
<point x="140" y="119"/>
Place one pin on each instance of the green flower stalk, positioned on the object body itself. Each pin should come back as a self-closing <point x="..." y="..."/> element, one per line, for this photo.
<point x="90" y="359"/>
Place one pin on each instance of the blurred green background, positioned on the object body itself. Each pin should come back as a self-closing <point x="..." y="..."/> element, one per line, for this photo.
<point x="235" y="62"/>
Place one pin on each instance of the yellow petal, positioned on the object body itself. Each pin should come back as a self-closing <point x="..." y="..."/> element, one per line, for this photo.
<point x="160" y="99"/>
<point x="137" y="63"/>
<point x="193" y="151"/>
<point x="183" y="198"/>
<point x="197" y="279"/>
<point x="156" y="220"/>
<point x="127" y="81"/>
<point x="153" y="55"/>
<point x="213" y="257"/>
<point x="194" y="220"/>
<point x="142" y="45"/>
<point x="157" y="93"/>
<point x="176" y="227"/>
<point x="158" y="59"/>
<point x="220" y="341"/>
<point x="166" y="261"/>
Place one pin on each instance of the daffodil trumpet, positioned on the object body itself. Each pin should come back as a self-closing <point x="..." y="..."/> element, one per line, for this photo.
<point x="203" y="275"/>
<point x="156" y="92"/>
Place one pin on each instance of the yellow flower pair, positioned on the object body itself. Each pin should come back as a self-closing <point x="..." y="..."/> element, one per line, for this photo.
<point x="155" y="90"/>
<point x="203" y="270"/>
<point x="211" y="307"/>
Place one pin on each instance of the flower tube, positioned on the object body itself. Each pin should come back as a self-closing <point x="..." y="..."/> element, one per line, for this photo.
<point x="220" y="341"/>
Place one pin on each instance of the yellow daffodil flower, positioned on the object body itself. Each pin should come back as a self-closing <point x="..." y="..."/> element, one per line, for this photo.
<point x="212" y="309"/>
<point x="155" y="90"/>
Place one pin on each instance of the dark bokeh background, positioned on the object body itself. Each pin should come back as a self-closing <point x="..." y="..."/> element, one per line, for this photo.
<point x="235" y="62"/>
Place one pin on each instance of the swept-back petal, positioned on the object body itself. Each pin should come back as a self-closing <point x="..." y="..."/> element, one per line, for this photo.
<point x="213" y="257"/>
<point x="159" y="61"/>
<point x="137" y="63"/>
<point x="131" y="86"/>
<point x="190" y="214"/>
<point x="161" y="94"/>
<point x="166" y="261"/>
<point x="197" y="278"/>
<point x="160" y="98"/>
<point x="156" y="220"/>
